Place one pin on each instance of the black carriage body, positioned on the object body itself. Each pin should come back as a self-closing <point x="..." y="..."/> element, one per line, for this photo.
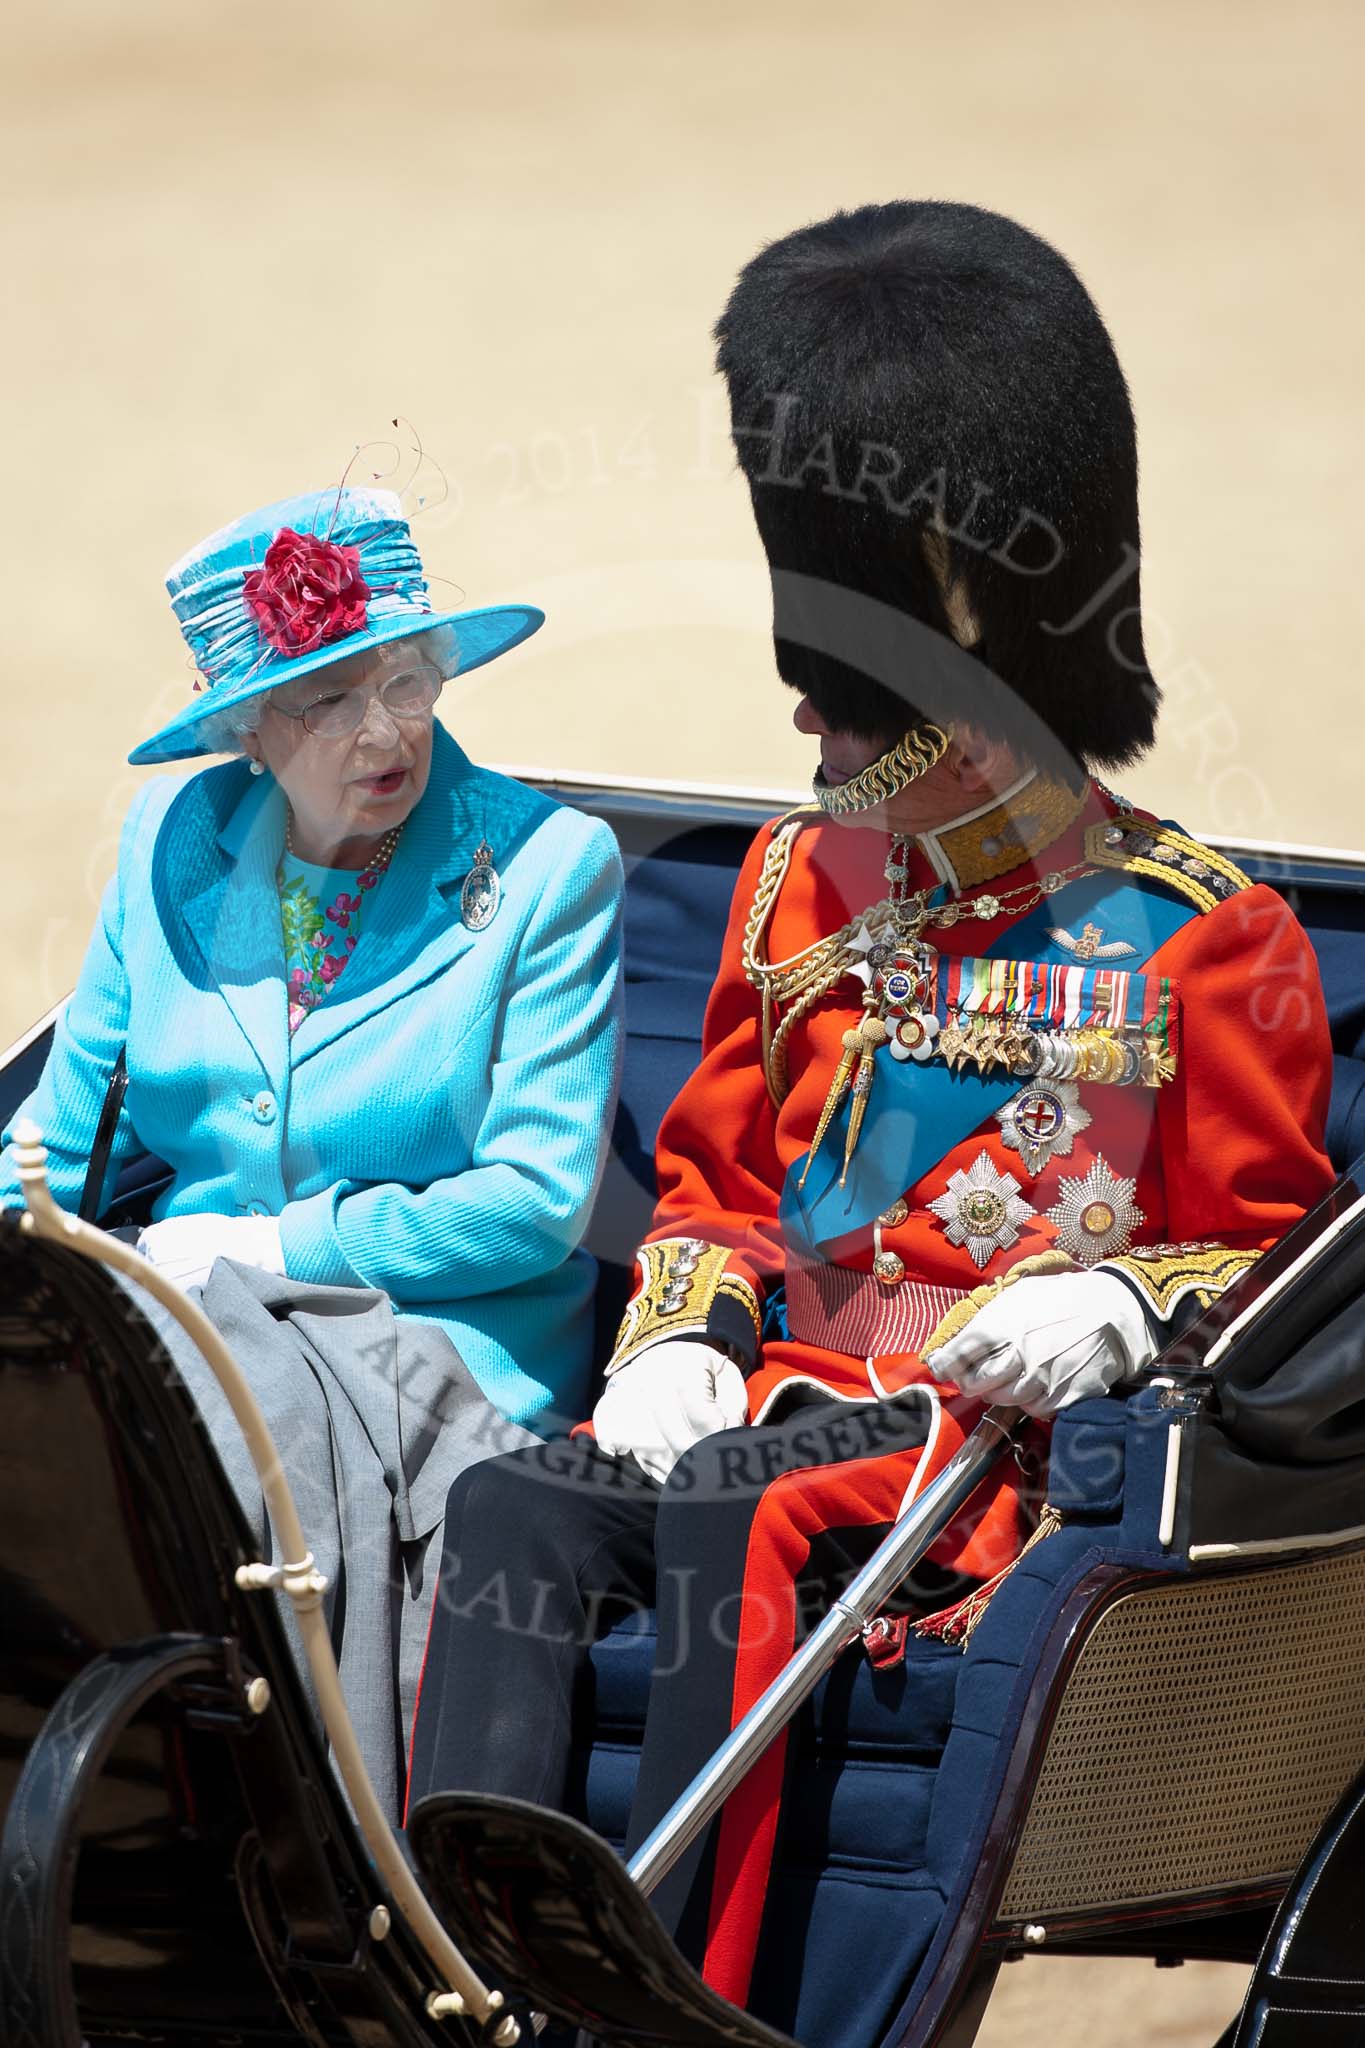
<point x="1159" y="1711"/>
<point x="178" y="1861"/>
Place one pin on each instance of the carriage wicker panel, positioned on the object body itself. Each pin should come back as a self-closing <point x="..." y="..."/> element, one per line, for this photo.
<point x="1206" y="1731"/>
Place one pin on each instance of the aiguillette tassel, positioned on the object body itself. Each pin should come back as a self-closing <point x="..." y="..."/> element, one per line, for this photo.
<point x="873" y="1033"/>
<point x="853" y="1045"/>
<point x="955" y="1624"/>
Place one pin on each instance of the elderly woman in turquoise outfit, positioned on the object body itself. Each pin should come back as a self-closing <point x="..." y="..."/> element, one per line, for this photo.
<point x="366" y="994"/>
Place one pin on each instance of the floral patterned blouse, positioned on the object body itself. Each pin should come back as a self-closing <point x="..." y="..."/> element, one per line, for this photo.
<point x="321" y="910"/>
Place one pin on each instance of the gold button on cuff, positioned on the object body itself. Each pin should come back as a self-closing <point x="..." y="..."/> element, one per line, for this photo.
<point x="895" y="1215"/>
<point x="889" y="1268"/>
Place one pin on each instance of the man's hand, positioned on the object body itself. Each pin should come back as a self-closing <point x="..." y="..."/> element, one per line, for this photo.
<point x="185" y="1247"/>
<point x="1047" y="1341"/>
<point x="668" y="1399"/>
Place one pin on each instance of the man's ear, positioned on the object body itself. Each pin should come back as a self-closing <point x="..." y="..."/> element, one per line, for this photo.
<point x="984" y="765"/>
<point x="966" y="627"/>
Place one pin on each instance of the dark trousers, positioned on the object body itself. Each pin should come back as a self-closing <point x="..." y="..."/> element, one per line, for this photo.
<point x="755" y="1533"/>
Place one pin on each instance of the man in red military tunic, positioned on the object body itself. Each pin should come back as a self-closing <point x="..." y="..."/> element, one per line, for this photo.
<point x="983" y="1039"/>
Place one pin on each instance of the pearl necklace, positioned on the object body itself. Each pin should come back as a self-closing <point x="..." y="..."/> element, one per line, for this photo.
<point x="375" y="866"/>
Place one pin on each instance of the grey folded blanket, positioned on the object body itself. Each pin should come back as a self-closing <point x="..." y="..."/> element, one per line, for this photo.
<point x="374" y="1415"/>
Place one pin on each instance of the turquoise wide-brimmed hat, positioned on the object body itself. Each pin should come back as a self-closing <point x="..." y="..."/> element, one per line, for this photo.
<point x="295" y="586"/>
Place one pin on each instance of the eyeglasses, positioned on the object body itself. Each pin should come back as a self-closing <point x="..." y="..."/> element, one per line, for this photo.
<point x="331" y="717"/>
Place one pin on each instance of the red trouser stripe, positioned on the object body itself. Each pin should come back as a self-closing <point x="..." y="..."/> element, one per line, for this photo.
<point x="796" y="1507"/>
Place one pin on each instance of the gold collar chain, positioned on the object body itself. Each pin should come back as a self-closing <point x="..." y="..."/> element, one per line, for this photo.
<point x="807" y="978"/>
<point x="890" y="922"/>
<point x="975" y="850"/>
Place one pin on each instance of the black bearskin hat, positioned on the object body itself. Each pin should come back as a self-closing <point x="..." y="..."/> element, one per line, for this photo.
<point x="926" y="365"/>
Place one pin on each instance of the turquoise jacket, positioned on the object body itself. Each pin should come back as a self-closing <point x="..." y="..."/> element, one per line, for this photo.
<point x="441" y="1126"/>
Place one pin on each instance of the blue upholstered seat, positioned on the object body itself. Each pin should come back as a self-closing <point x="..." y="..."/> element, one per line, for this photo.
<point x="891" y="1769"/>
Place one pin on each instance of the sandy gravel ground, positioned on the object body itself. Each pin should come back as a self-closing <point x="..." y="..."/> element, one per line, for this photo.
<point x="1069" y="2003"/>
<point x="238" y="243"/>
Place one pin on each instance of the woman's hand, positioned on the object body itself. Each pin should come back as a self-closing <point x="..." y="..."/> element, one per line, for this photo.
<point x="185" y="1247"/>
<point x="1048" y="1341"/>
<point x="668" y="1399"/>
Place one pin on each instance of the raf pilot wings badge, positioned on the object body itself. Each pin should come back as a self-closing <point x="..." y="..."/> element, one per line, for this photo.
<point x="1091" y="944"/>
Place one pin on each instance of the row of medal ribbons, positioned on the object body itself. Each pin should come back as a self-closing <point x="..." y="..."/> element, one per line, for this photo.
<point x="1062" y="1023"/>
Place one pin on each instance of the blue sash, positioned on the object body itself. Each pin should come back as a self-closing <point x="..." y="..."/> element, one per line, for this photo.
<point x="917" y="1112"/>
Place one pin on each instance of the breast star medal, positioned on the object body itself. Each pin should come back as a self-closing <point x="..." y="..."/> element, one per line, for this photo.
<point x="1041" y="1120"/>
<point x="482" y="890"/>
<point x="1096" y="1215"/>
<point x="982" y="1209"/>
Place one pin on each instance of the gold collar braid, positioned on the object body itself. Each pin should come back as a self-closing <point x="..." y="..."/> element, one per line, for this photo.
<point x="913" y="755"/>
<point x="997" y="841"/>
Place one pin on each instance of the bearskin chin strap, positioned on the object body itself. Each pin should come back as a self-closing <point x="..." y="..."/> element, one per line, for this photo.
<point x="913" y="755"/>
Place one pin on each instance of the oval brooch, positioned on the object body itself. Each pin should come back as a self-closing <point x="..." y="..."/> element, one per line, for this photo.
<point x="482" y="890"/>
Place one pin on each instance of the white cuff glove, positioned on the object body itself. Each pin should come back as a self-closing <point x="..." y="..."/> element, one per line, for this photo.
<point x="185" y="1247"/>
<point x="668" y="1399"/>
<point x="1048" y="1341"/>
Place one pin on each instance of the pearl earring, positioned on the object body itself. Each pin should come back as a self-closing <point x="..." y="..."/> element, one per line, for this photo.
<point x="258" y="767"/>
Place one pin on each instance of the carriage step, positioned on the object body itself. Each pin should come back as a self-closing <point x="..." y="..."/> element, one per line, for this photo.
<point x="548" y="1906"/>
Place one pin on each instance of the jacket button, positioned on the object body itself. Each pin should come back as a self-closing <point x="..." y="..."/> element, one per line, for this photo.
<point x="263" y="1108"/>
<point x="889" y="1269"/>
<point x="895" y="1215"/>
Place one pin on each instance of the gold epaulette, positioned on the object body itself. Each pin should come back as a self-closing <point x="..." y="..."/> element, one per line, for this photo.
<point x="782" y="836"/>
<point x="1196" y="872"/>
<point x="1166" y="1273"/>
<point x="681" y="1279"/>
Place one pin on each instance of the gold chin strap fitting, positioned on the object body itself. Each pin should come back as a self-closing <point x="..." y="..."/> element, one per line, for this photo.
<point x="913" y="755"/>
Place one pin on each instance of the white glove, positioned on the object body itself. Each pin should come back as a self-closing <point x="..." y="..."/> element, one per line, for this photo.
<point x="1048" y="1341"/>
<point x="185" y="1247"/>
<point x="668" y="1399"/>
